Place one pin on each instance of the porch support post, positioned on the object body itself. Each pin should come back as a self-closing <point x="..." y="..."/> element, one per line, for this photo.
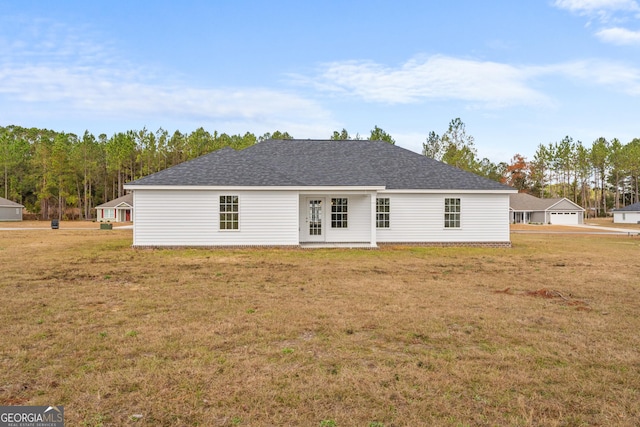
<point x="373" y="238"/>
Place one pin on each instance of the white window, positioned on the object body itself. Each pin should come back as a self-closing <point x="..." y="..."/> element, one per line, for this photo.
<point x="109" y="213"/>
<point x="382" y="212"/>
<point x="339" y="213"/>
<point x="451" y="213"/>
<point x="228" y="212"/>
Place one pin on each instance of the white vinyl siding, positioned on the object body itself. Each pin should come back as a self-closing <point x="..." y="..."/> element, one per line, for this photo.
<point x="191" y="218"/>
<point x="359" y="229"/>
<point x="628" y="217"/>
<point x="419" y="218"/>
<point x="359" y="219"/>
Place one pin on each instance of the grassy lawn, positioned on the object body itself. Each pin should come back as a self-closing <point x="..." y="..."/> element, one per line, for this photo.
<point x="543" y="334"/>
<point x="608" y="222"/>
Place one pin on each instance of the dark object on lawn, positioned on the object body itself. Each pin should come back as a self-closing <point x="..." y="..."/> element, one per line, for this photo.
<point x="106" y="226"/>
<point x="55" y="224"/>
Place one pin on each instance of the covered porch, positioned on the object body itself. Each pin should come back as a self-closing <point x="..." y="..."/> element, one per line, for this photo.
<point x="117" y="210"/>
<point x="344" y="218"/>
<point x="520" y="217"/>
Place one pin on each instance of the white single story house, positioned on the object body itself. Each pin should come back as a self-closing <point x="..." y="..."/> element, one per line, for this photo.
<point x="117" y="210"/>
<point x="525" y="209"/>
<point x="318" y="192"/>
<point x="10" y="211"/>
<point x="627" y="215"/>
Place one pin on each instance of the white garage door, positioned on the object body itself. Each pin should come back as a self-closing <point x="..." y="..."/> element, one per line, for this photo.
<point x="564" y="218"/>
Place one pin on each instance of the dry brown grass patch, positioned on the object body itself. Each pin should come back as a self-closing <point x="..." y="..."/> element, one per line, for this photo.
<point x="608" y="222"/>
<point x="399" y="336"/>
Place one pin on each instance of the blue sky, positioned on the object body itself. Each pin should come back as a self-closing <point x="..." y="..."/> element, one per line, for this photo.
<point x="518" y="73"/>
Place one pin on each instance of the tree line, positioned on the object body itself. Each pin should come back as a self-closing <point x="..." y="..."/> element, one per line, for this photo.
<point x="63" y="175"/>
<point x="57" y="174"/>
<point x="598" y="177"/>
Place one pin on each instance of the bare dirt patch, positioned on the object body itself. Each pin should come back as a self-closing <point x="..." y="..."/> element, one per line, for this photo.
<point x="397" y="336"/>
<point x="579" y="304"/>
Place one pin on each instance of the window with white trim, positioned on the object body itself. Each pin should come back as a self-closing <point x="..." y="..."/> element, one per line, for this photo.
<point x="228" y="212"/>
<point x="109" y="213"/>
<point x="339" y="212"/>
<point x="451" y="213"/>
<point x="382" y="212"/>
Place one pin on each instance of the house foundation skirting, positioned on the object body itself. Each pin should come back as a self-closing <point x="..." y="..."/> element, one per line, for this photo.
<point x="450" y="244"/>
<point x="211" y="247"/>
<point x="506" y="245"/>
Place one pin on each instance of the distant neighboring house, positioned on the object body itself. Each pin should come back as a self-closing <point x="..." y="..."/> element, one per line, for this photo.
<point x="117" y="210"/>
<point x="317" y="192"/>
<point x="10" y="211"/>
<point x="525" y="209"/>
<point x="627" y="215"/>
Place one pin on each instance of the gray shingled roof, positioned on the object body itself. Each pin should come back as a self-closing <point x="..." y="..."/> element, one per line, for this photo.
<point x="527" y="202"/>
<point x="320" y="163"/>
<point x="5" y="203"/>
<point x="631" y="208"/>
<point x="127" y="198"/>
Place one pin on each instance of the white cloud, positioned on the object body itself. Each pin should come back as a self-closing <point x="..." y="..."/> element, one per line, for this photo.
<point x="620" y="77"/>
<point x="619" y="36"/>
<point x="484" y="84"/>
<point x="113" y="93"/>
<point x="58" y="67"/>
<point x="597" y="6"/>
<point x="491" y="84"/>
<point x="611" y="14"/>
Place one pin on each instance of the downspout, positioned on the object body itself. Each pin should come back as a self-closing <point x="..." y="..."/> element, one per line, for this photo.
<point x="373" y="233"/>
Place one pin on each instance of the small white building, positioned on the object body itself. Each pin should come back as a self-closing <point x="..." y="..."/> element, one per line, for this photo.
<point x="10" y="211"/>
<point x="116" y="210"/>
<point x="526" y="209"/>
<point x="316" y="192"/>
<point x="627" y="215"/>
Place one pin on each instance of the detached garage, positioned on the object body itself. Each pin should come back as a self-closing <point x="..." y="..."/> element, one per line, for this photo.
<point x="10" y="211"/>
<point x="526" y="209"/>
<point x="627" y="215"/>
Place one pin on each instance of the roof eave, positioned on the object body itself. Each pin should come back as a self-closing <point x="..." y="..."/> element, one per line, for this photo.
<point x="450" y="190"/>
<point x="261" y="188"/>
<point x="578" y="207"/>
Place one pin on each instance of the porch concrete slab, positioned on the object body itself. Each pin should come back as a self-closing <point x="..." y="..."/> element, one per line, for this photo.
<point x="320" y="245"/>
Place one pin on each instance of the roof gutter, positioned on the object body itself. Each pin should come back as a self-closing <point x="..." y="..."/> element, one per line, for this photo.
<point x="251" y="188"/>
